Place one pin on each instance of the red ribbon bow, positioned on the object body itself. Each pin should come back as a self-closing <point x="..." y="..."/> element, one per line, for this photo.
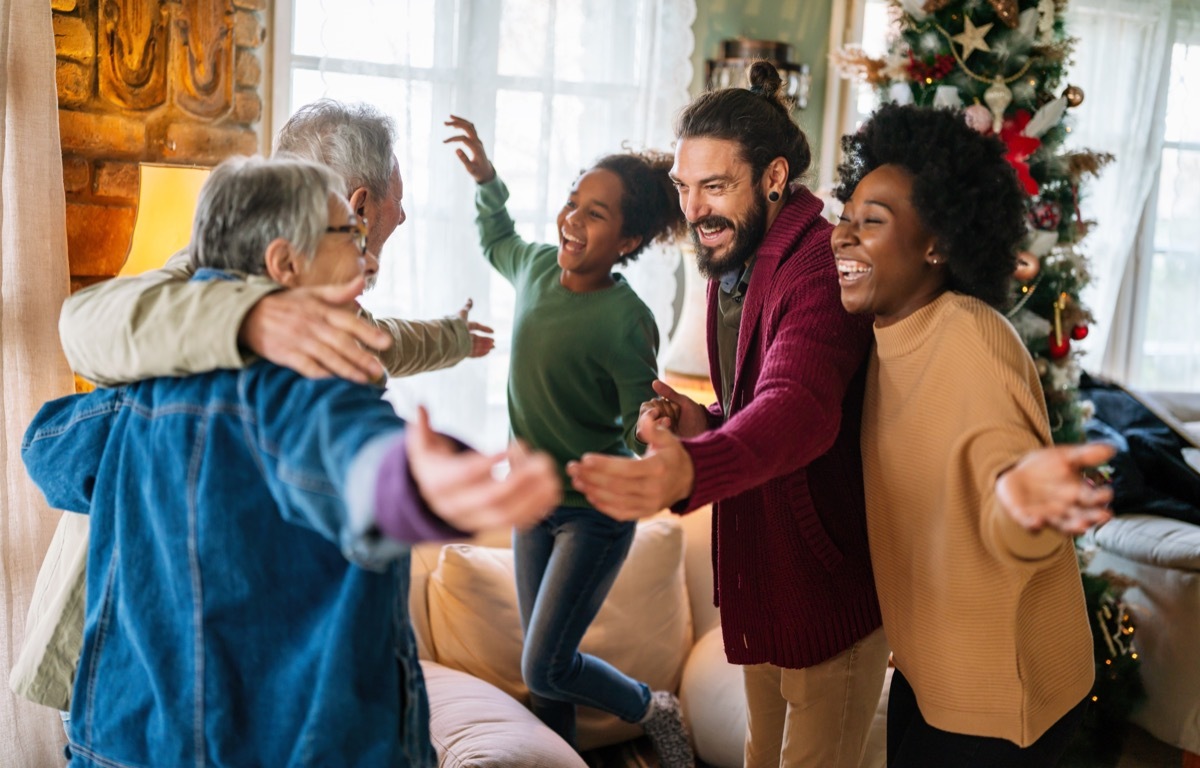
<point x="1020" y="147"/>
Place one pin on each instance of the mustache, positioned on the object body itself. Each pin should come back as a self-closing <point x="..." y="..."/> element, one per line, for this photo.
<point x="712" y="222"/>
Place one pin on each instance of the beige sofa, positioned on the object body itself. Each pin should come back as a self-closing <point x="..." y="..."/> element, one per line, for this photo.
<point x="658" y="625"/>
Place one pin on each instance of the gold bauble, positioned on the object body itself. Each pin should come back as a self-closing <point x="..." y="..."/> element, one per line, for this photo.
<point x="1074" y="95"/>
<point x="1028" y="267"/>
<point x="1007" y="11"/>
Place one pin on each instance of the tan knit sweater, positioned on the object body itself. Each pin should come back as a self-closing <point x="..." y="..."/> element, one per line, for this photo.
<point x="985" y="620"/>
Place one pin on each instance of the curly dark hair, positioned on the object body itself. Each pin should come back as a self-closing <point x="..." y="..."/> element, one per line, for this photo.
<point x="650" y="205"/>
<point x="963" y="189"/>
<point x="758" y="120"/>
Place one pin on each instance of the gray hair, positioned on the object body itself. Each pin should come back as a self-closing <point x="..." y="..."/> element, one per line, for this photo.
<point x="247" y="202"/>
<point x="356" y="140"/>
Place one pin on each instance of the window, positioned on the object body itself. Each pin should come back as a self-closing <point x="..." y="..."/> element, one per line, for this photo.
<point x="1169" y="353"/>
<point x="551" y="86"/>
<point x="870" y="25"/>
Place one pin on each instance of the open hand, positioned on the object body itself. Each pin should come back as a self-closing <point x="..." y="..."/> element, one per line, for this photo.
<point x="317" y="332"/>
<point x="473" y="157"/>
<point x="459" y="486"/>
<point x="671" y="410"/>
<point x="629" y="489"/>
<point x="1047" y="489"/>
<point x="481" y="344"/>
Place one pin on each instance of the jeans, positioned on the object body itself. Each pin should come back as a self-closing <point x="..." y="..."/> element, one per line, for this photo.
<point x="565" y="567"/>
<point x="914" y="743"/>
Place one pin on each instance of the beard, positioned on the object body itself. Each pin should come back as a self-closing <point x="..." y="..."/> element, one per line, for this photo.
<point x="748" y="233"/>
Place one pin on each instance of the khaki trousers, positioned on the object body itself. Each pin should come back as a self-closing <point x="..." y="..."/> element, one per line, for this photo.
<point x="817" y="717"/>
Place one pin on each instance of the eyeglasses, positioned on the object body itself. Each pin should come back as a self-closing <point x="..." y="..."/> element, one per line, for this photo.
<point x="358" y="228"/>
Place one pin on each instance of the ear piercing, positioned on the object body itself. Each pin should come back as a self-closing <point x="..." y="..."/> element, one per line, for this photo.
<point x="773" y="196"/>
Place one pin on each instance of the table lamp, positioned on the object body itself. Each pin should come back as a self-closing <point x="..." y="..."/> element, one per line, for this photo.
<point x="167" y="196"/>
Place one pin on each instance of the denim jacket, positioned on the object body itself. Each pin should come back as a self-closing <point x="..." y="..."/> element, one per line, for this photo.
<point x="242" y="609"/>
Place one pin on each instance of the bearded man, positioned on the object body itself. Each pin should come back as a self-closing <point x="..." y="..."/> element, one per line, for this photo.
<point x="778" y="455"/>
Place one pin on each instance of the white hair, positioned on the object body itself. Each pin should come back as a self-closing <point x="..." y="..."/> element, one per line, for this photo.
<point x="247" y="202"/>
<point x="355" y="140"/>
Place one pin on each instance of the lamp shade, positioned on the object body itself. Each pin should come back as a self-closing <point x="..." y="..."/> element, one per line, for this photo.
<point x="167" y="196"/>
<point x="685" y="367"/>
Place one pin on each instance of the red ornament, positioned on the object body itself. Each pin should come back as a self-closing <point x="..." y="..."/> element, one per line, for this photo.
<point x="1046" y="215"/>
<point x="1059" y="348"/>
<point x="1079" y="332"/>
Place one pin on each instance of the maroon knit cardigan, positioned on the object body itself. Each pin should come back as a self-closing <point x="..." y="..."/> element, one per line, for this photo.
<point x="792" y="569"/>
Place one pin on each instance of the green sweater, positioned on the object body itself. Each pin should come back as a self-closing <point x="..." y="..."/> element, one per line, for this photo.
<point x="582" y="363"/>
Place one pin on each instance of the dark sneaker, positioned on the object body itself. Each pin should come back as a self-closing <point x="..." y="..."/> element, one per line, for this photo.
<point x="668" y="733"/>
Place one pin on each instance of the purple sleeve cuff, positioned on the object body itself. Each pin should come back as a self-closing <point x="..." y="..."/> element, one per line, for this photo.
<point x="400" y="512"/>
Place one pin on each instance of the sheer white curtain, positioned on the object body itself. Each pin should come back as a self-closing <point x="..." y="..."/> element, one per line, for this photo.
<point x="551" y="86"/>
<point x="1123" y="63"/>
<point x="33" y="283"/>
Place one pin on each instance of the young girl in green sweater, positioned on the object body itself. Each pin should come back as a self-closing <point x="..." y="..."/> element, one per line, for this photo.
<point x="584" y="351"/>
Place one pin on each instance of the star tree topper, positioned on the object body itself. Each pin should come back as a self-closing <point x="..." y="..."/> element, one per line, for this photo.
<point x="972" y="38"/>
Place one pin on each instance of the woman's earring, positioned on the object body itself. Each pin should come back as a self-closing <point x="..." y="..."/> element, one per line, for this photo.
<point x="773" y="196"/>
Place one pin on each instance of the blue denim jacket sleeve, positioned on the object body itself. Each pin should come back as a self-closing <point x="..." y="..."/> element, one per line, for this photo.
<point x="64" y="444"/>
<point x="325" y="440"/>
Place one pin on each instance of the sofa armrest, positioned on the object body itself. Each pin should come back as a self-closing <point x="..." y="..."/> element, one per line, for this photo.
<point x="1157" y="541"/>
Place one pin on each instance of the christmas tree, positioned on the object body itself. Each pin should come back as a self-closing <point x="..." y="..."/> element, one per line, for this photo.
<point x="1003" y="62"/>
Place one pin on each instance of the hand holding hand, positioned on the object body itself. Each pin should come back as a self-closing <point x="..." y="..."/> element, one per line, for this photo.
<point x="659" y="413"/>
<point x="460" y="488"/>
<point x="629" y="489"/>
<point x="1047" y="488"/>
<point x="316" y="332"/>
<point x="480" y="344"/>
<point x="474" y="159"/>
<point x="679" y="413"/>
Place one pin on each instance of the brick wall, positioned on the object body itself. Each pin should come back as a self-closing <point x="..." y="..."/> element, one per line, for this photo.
<point x="177" y="81"/>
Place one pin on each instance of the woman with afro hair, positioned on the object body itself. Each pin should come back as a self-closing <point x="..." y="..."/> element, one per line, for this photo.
<point x="969" y="508"/>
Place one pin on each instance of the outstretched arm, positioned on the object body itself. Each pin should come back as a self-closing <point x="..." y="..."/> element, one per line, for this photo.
<point x="342" y="465"/>
<point x="162" y="324"/>
<point x="430" y="345"/>
<point x="1050" y="488"/>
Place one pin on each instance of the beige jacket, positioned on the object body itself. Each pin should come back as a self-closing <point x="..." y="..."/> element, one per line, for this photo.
<point x="156" y="316"/>
<point x="140" y="327"/>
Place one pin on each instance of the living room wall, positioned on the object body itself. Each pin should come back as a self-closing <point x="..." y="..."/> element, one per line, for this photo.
<point x="176" y="82"/>
<point x="802" y="23"/>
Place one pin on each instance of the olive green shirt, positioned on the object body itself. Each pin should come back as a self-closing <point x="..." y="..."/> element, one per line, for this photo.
<point x="730" y="295"/>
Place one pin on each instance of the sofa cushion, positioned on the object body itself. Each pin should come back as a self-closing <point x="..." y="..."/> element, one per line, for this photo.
<point x="475" y="626"/>
<point x="475" y="725"/>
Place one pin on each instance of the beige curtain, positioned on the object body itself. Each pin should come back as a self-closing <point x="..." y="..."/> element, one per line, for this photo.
<point x="34" y="280"/>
